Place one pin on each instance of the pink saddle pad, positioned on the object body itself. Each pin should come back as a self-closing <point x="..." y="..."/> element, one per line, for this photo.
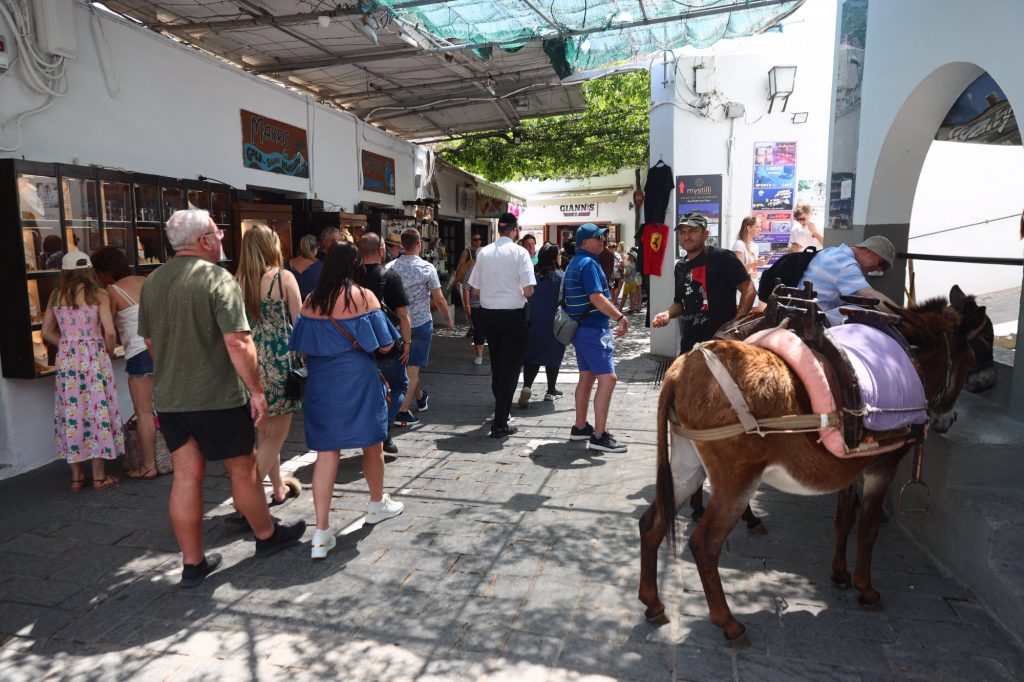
<point x="887" y="377"/>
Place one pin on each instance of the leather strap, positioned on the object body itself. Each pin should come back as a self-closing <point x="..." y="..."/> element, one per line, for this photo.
<point x="731" y="390"/>
<point x="355" y="344"/>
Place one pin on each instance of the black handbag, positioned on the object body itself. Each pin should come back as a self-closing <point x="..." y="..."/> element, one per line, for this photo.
<point x="398" y="347"/>
<point x="295" y="381"/>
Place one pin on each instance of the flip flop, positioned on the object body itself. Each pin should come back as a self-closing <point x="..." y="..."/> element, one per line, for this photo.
<point x="290" y="495"/>
<point x="142" y="473"/>
<point x="77" y="484"/>
<point x="104" y="483"/>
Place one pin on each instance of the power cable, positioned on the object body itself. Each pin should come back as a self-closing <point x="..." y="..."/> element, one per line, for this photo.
<point x="961" y="227"/>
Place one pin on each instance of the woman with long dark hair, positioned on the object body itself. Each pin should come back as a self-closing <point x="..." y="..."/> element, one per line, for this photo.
<point x="542" y="348"/>
<point x="345" y="405"/>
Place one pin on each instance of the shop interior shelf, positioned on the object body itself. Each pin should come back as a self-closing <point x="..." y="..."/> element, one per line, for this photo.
<point x="41" y="222"/>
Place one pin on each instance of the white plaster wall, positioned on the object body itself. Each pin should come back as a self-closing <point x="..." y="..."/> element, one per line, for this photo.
<point x="908" y="42"/>
<point x="177" y="113"/>
<point x="694" y="145"/>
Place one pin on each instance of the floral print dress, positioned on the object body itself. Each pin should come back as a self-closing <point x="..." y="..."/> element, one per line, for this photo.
<point x="271" y="334"/>
<point x="87" y="421"/>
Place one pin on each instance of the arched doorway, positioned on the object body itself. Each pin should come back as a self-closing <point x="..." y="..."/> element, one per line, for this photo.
<point x="894" y="186"/>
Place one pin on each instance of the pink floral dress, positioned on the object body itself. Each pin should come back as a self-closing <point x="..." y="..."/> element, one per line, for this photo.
<point x="87" y="421"/>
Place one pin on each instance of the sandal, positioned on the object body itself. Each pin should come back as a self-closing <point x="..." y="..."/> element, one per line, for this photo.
<point x="77" y="484"/>
<point x="104" y="483"/>
<point x="294" y="490"/>
<point x="142" y="473"/>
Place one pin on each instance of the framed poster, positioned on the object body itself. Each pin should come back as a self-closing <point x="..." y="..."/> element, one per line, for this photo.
<point x="378" y="173"/>
<point x="274" y="146"/>
<point x="700" y="194"/>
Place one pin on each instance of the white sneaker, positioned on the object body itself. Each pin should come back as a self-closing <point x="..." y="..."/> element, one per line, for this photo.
<point x="383" y="510"/>
<point x="478" y="360"/>
<point x="524" y="397"/>
<point x="322" y="543"/>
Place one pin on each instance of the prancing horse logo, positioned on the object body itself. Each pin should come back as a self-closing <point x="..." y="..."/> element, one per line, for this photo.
<point x="656" y="242"/>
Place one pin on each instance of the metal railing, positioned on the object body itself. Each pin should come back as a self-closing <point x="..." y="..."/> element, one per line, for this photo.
<point x="977" y="260"/>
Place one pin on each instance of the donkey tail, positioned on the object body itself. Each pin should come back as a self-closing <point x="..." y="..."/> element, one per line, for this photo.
<point x="665" y="494"/>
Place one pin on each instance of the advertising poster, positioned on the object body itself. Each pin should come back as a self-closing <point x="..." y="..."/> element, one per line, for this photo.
<point x="378" y="173"/>
<point x="774" y="195"/>
<point x="274" y="146"/>
<point x="701" y="194"/>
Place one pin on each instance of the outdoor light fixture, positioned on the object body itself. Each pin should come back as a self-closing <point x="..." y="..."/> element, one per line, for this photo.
<point x="800" y="117"/>
<point x="407" y="39"/>
<point x="517" y="137"/>
<point x="324" y="20"/>
<point x="522" y="103"/>
<point x="367" y="26"/>
<point x="780" y="85"/>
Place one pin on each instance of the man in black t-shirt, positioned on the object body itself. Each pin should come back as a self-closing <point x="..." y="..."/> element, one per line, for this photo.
<point x="706" y="282"/>
<point x="387" y="286"/>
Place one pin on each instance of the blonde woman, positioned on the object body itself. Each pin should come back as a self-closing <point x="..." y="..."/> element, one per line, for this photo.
<point x="87" y="421"/>
<point x="746" y="251"/>
<point x="271" y="303"/>
<point x="804" y="232"/>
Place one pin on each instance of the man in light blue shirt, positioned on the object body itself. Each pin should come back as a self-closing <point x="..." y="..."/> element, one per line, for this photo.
<point x="842" y="271"/>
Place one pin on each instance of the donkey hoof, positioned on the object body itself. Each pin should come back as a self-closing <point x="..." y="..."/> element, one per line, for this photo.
<point x="757" y="529"/>
<point x="738" y="641"/>
<point x="871" y="604"/>
<point x="842" y="582"/>
<point x="658" y="619"/>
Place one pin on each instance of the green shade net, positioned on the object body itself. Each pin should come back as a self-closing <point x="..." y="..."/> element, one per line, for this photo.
<point x="509" y="24"/>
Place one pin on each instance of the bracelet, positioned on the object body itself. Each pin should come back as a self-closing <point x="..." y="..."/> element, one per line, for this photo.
<point x="621" y="318"/>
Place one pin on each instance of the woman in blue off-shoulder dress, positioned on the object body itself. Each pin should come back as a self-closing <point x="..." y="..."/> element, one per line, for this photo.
<point x="345" y="406"/>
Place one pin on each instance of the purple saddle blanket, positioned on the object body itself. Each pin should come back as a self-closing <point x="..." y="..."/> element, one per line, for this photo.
<point x="887" y="377"/>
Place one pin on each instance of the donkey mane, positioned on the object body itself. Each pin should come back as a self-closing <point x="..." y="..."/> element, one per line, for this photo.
<point x="932" y="305"/>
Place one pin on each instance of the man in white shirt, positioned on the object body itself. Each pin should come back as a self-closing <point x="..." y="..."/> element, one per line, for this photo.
<point x="503" y="279"/>
<point x="419" y="278"/>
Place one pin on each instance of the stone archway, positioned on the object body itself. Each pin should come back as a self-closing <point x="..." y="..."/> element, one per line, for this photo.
<point x="897" y="172"/>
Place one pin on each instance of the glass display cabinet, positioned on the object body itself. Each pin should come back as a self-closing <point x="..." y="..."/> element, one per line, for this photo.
<point x="278" y="217"/>
<point x="47" y="209"/>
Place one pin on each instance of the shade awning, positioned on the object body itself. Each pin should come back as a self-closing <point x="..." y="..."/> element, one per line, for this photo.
<point x="595" y="196"/>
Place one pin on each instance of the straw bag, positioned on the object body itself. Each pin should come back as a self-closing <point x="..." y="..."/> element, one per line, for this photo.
<point x="133" y="452"/>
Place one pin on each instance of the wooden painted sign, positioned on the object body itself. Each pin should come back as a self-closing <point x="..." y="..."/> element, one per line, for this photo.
<point x="378" y="173"/>
<point x="274" y="146"/>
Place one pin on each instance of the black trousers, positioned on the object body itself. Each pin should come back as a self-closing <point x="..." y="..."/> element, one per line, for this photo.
<point x="506" y="332"/>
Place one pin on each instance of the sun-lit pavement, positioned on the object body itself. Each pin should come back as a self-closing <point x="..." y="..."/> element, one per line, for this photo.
<point x="514" y="560"/>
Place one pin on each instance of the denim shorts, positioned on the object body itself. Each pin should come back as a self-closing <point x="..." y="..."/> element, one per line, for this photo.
<point x="140" y="364"/>
<point x="594" y="350"/>
<point x="419" y="352"/>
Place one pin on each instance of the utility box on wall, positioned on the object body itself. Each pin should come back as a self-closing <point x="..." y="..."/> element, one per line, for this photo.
<point x="55" y="27"/>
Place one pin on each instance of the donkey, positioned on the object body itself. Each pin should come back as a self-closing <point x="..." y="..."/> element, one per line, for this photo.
<point x="795" y="462"/>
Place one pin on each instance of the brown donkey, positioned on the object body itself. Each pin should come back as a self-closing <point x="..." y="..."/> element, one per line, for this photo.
<point x="940" y="335"/>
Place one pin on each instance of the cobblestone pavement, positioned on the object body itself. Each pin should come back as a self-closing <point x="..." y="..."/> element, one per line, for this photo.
<point x="513" y="561"/>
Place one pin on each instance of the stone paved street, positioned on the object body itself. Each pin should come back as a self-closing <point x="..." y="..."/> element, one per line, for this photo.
<point x="512" y="561"/>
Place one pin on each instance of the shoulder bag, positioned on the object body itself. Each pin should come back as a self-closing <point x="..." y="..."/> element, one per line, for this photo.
<point x="355" y="344"/>
<point x="295" y="379"/>
<point x="565" y="325"/>
<point x="399" y="346"/>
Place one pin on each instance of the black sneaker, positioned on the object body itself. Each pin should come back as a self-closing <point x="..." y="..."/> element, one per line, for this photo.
<point x="553" y="395"/>
<point x="503" y="431"/>
<point x="422" y="404"/>
<point x="284" y="535"/>
<point x="193" y="575"/>
<point x="389" y="446"/>
<point x="581" y="434"/>
<point x="605" y="443"/>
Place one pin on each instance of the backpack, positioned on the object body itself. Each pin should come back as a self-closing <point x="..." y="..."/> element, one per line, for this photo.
<point x="789" y="269"/>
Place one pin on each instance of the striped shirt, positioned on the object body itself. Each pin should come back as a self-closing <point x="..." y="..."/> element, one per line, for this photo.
<point x="834" y="272"/>
<point x="584" y="277"/>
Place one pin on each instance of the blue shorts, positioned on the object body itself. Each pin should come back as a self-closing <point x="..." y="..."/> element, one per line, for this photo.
<point x="140" y="364"/>
<point x="419" y="352"/>
<point x="594" y="350"/>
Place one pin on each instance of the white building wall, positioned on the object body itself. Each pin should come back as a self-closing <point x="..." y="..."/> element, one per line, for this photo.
<point x="177" y="113"/>
<point x="694" y="145"/>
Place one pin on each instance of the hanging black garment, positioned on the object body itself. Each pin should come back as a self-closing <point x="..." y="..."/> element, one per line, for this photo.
<point x="657" y="191"/>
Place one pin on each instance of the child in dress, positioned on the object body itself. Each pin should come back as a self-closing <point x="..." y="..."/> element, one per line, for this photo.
<point x="87" y="421"/>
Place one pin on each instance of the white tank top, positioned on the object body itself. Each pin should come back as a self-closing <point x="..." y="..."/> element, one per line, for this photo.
<point x="127" y="323"/>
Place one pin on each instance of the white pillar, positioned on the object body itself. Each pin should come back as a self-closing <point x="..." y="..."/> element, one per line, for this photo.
<point x="664" y="341"/>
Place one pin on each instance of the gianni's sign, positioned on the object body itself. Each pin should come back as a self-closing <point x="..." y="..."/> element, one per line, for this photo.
<point x="578" y="210"/>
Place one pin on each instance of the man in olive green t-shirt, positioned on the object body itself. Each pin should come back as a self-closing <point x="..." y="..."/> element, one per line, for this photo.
<point x="192" y="316"/>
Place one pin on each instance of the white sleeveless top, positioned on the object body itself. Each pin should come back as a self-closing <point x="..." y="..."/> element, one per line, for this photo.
<point x="127" y="323"/>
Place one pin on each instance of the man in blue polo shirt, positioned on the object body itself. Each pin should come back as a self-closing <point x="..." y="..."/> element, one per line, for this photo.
<point x="588" y="299"/>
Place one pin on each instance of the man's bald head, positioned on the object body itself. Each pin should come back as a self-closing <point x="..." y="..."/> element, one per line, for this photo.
<point x="369" y="244"/>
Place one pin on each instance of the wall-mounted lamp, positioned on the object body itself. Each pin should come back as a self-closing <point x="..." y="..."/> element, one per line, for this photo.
<point x="517" y="136"/>
<point x="781" y="80"/>
<point x="800" y="117"/>
<point x="323" y="20"/>
<point x="366" y="25"/>
<point x="522" y="103"/>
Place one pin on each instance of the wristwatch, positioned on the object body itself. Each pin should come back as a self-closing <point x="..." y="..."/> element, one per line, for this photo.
<point x="620" y="318"/>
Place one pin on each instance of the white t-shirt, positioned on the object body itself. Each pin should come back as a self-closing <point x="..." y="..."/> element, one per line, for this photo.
<point x="502" y="270"/>
<point x="798" y="234"/>
<point x="419" y="279"/>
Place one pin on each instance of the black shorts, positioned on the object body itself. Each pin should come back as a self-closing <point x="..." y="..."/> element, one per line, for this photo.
<point x="220" y="434"/>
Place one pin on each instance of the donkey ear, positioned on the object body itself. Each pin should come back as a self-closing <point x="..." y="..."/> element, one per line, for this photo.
<point x="957" y="297"/>
<point x="974" y="323"/>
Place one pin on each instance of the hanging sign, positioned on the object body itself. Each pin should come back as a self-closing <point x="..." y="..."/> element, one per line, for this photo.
<point x="378" y="173"/>
<point x="774" y="191"/>
<point x="588" y="210"/>
<point x="701" y="194"/>
<point x="489" y="207"/>
<point x="274" y="146"/>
